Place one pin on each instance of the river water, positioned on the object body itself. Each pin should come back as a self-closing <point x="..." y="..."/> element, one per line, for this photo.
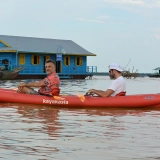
<point x="46" y="133"/>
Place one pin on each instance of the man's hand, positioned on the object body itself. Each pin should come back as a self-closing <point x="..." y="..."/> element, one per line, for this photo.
<point x="90" y="92"/>
<point x="20" y="87"/>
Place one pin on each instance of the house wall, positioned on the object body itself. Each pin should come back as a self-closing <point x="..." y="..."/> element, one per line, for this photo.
<point x="72" y="68"/>
<point x="30" y="68"/>
<point x="37" y="68"/>
<point x="40" y="68"/>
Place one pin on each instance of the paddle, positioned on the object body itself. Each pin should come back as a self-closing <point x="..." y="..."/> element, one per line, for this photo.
<point x="15" y="89"/>
<point x="58" y="98"/>
<point x="81" y="96"/>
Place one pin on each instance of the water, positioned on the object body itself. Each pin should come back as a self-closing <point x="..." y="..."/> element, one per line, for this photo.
<point x="45" y="133"/>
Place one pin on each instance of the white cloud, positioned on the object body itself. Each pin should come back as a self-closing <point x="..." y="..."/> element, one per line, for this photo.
<point x="99" y="19"/>
<point x="141" y="3"/>
<point x="156" y="29"/>
<point x="147" y="43"/>
<point x="157" y="36"/>
<point x="103" y="17"/>
<point x="156" y="33"/>
<point x="132" y="2"/>
<point x="88" y="20"/>
<point x="156" y="4"/>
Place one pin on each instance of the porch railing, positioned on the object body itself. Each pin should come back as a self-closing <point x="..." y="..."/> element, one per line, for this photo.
<point x="30" y="69"/>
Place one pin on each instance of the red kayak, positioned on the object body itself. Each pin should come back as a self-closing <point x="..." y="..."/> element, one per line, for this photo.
<point x="73" y="101"/>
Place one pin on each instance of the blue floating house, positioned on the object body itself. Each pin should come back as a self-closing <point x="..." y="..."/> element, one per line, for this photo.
<point x="70" y="58"/>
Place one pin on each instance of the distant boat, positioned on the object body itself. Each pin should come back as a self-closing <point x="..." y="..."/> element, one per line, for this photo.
<point x="157" y="74"/>
<point x="154" y="75"/>
<point x="10" y="74"/>
<point x="129" y="75"/>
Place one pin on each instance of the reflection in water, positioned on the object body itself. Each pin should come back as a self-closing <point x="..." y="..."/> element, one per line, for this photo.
<point x="41" y="132"/>
<point x="25" y="130"/>
<point x="47" y="117"/>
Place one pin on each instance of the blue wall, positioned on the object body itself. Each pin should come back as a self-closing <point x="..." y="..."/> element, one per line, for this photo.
<point x="72" y="68"/>
<point x="30" y="68"/>
<point x="37" y="69"/>
<point x="10" y="56"/>
<point x="65" y="69"/>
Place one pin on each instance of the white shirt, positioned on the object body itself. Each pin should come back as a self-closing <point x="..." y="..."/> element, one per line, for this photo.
<point x="118" y="85"/>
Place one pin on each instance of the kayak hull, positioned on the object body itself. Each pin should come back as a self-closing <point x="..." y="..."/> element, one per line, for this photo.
<point x="73" y="101"/>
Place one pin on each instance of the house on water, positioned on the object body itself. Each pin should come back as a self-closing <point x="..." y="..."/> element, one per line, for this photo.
<point x="70" y="58"/>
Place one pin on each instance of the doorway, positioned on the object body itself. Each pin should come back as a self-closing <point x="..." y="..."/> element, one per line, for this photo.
<point x="58" y="67"/>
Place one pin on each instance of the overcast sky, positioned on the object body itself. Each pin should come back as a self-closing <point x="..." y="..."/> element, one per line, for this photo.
<point x="115" y="30"/>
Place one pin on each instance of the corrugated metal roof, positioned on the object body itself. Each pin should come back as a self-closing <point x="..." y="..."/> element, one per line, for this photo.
<point x="43" y="45"/>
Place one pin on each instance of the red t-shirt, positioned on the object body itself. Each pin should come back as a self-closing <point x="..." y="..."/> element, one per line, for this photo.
<point x="52" y="82"/>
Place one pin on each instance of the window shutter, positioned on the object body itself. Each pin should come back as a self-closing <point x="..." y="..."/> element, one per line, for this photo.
<point x="38" y="59"/>
<point x="47" y="58"/>
<point x="80" y="61"/>
<point x="65" y="60"/>
<point x="21" y="58"/>
<point x="68" y="60"/>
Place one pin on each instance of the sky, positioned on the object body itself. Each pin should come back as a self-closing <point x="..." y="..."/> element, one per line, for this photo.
<point x="121" y="31"/>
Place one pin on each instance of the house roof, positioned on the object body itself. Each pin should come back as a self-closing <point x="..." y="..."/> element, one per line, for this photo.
<point x="41" y="45"/>
<point x="158" y="68"/>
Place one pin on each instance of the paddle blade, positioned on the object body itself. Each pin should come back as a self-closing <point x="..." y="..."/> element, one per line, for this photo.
<point x="81" y="96"/>
<point x="15" y="89"/>
<point x="58" y="98"/>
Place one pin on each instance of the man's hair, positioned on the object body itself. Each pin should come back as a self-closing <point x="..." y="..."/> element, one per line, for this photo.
<point x="50" y="61"/>
<point x="119" y="72"/>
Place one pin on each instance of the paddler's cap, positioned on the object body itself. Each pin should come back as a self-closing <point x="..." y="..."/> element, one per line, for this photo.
<point x="116" y="67"/>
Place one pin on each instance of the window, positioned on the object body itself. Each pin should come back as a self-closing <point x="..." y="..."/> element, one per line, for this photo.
<point x="22" y="59"/>
<point x="78" y="61"/>
<point x="35" y="59"/>
<point x="67" y="60"/>
<point x="47" y="58"/>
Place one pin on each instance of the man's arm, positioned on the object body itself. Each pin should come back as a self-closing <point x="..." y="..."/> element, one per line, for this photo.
<point x="100" y="93"/>
<point x="32" y="84"/>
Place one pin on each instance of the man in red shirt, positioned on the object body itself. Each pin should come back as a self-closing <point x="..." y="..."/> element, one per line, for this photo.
<point x="48" y="86"/>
